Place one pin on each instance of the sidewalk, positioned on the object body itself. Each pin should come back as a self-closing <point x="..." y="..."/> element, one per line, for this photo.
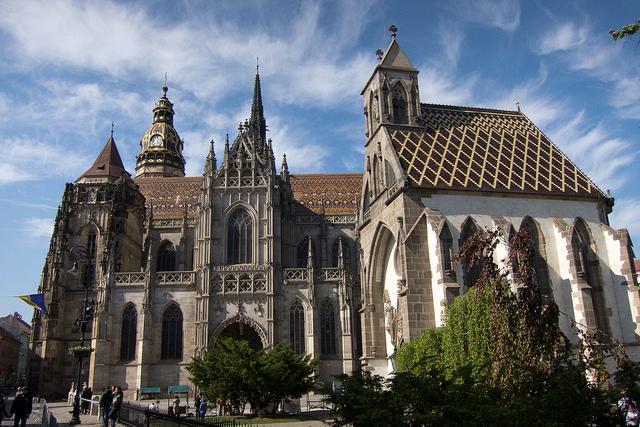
<point x="62" y="413"/>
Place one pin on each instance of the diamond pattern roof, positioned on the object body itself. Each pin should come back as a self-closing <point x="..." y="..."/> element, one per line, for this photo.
<point x="487" y="150"/>
<point x="335" y="194"/>
<point x="171" y="195"/>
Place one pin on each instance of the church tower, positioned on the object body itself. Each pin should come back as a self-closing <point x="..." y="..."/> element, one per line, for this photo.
<point x="391" y="95"/>
<point x="96" y="233"/>
<point x="161" y="146"/>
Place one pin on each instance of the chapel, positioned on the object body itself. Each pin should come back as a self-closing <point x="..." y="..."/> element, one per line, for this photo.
<point x="344" y="267"/>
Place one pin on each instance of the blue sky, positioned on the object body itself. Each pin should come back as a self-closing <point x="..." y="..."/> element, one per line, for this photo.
<point x="71" y="68"/>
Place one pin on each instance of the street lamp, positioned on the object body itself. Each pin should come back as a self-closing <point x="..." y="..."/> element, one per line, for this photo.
<point x="79" y="255"/>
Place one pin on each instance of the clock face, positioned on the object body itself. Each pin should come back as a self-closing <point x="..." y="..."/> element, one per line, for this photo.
<point x="156" y="141"/>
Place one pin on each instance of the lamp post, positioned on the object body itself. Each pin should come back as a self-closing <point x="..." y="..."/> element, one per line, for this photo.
<point x="79" y="255"/>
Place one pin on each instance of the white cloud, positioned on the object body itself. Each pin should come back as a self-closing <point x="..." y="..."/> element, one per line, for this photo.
<point x="563" y="37"/>
<point x="38" y="227"/>
<point x="626" y="214"/>
<point x="503" y="14"/>
<point x="26" y="160"/>
<point x="305" y="62"/>
<point x="450" y="38"/>
<point x="593" y="53"/>
<point x="440" y="86"/>
<point x="592" y="147"/>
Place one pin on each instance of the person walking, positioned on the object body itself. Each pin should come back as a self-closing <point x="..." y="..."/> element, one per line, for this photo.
<point x="105" y="405"/>
<point x="114" y="413"/>
<point x="176" y="406"/>
<point x="202" y="409"/>
<point x="3" y="408"/>
<point x="196" y="405"/>
<point x="19" y="409"/>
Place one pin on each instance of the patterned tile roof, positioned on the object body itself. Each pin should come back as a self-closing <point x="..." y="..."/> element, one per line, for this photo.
<point x="336" y="194"/>
<point x="169" y="195"/>
<point x="487" y="150"/>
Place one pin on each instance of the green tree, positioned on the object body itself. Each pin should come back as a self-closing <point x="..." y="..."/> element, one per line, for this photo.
<point x="241" y="375"/>
<point x="626" y="31"/>
<point x="499" y="359"/>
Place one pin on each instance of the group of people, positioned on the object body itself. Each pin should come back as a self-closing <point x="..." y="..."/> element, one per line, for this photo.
<point x="110" y="405"/>
<point x="85" y="395"/>
<point x="200" y="405"/>
<point x="20" y="408"/>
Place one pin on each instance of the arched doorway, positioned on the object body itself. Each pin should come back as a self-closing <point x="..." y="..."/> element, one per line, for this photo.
<point x="242" y="332"/>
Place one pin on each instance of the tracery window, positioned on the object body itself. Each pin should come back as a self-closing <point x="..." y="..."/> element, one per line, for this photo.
<point x="171" y="333"/>
<point x="240" y="238"/>
<point x="399" y="105"/>
<point x="586" y="262"/>
<point x="166" y="259"/>
<point x="296" y="327"/>
<point x="538" y="261"/>
<point x="346" y="253"/>
<point x="470" y="273"/>
<point x="327" y="328"/>
<point x="446" y="251"/>
<point x="90" y="269"/>
<point x="128" y="333"/>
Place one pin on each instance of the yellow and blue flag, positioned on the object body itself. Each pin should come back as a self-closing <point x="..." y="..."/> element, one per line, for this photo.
<point x="36" y="301"/>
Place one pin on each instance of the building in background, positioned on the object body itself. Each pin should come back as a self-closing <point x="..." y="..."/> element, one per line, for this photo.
<point x="22" y="330"/>
<point x="9" y="350"/>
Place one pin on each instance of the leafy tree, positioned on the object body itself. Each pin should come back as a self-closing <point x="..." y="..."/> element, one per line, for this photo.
<point x="626" y="31"/>
<point x="239" y="374"/>
<point x="500" y="359"/>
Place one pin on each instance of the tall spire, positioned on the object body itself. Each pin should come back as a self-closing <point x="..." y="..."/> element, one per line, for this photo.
<point x="257" y="120"/>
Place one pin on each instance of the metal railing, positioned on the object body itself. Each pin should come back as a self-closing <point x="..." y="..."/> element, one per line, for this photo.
<point x="139" y="416"/>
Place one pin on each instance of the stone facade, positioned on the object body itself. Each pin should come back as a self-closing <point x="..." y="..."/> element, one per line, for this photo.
<point x="174" y="262"/>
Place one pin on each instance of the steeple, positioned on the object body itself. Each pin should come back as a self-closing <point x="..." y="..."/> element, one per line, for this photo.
<point x="257" y="121"/>
<point x="108" y="165"/>
<point x="284" y="168"/>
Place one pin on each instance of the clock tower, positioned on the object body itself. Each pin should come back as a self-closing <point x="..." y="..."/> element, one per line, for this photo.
<point x="161" y="146"/>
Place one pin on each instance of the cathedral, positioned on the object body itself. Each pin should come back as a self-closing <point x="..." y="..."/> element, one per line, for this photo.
<point x="344" y="267"/>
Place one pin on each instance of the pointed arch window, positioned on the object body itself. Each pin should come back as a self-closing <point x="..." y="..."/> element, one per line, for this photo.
<point x="446" y="251"/>
<point x="296" y="327"/>
<point x="346" y="253"/>
<point x="365" y="198"/>
<point x="171" y="333"/>
<point x="128" y="333"/>
<point x="538" y="254"/>
<point x="470" y="273"/>
<point x="389" y="175"/>
<point x="376" y="176"/>
<point x="399" y="105"/>
<point x="327" y="329"/>
<point x="240" y="238"/>
<point x="302" y="255"/>
<point x="587" y="270"/>
<point x="90" y="269"/>
<point x="166" y="260"/>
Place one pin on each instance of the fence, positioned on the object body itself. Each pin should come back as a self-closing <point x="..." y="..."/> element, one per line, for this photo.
<point x="138" y="416"/>
<point x="39" y="407"/>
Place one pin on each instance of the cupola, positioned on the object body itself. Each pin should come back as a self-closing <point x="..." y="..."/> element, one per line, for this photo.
<point x="161" y="146"/>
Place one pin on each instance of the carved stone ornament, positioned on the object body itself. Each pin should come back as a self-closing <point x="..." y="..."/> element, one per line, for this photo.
<point x="390" y="319"/>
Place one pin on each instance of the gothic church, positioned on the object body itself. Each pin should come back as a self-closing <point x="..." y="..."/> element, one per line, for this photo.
<point x="345" y="267"/>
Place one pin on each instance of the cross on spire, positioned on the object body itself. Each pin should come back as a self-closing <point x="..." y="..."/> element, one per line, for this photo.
<point x="393" y="29"/>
